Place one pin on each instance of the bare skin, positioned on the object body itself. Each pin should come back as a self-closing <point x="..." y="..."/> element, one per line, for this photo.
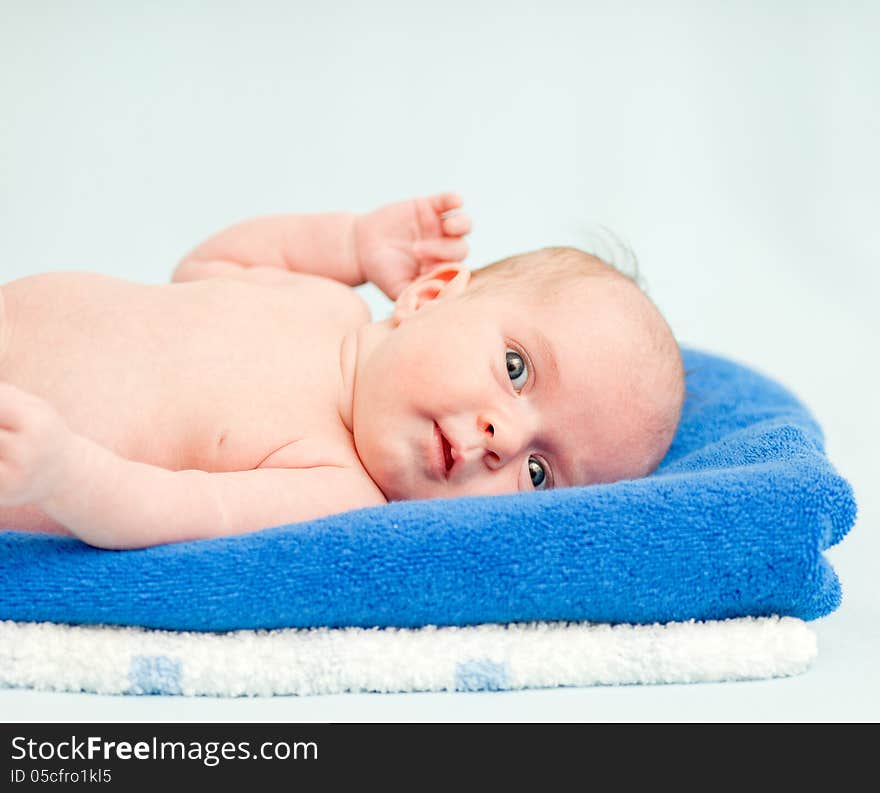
<point x="210" y="405"/>
<point x="255" y="390"/>
<point x="216" y="375"/>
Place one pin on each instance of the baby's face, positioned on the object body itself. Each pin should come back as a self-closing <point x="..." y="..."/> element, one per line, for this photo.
<point x="504" y="392"/>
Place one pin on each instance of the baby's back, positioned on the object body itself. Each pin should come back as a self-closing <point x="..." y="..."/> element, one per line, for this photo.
<point x="214" y="374"/>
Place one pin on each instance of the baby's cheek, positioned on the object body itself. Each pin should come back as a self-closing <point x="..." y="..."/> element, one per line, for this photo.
<point x="419" y="372"/>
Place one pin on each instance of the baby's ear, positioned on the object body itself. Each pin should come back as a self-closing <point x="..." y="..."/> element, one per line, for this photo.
<point x="447" y="280"/>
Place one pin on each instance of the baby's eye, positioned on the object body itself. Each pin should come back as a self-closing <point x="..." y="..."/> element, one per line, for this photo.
<point x="538" y="474"/>
<point x="517" y="370"/>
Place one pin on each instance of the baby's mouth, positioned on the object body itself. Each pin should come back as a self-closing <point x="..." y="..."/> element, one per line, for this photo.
<point x="446" y="449"/>
<point x="447" y="453"/>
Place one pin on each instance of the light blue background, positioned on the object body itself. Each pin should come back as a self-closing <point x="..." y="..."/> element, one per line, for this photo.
<point x="733" y="146"/>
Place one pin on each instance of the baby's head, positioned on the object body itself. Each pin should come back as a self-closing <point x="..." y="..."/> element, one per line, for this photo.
<point x="546" y="369"/>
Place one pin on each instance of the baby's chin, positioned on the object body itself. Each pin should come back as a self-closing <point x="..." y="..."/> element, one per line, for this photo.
<point x="392" y="461"/>
<point x="396" y="492"/>
<point x="410" y="486"/>
<point x="397" y="485"/>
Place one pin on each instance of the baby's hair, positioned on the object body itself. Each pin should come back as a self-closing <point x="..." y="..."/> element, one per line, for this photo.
<point x="547" y="269"/>
<point x="607" y="245"/>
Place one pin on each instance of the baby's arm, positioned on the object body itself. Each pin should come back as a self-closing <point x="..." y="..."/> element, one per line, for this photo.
<point x="319" y="244"/>
<point x="389" y="246"/>
<point x="111" y="502"/>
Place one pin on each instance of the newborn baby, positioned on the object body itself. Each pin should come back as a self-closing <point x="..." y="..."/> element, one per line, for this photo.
<point x="255" y="390"/>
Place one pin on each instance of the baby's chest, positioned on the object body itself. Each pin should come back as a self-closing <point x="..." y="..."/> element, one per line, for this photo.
<point x="265" y="407"/>
<point x="267" y="391"/>
<point x="215" y="374"/>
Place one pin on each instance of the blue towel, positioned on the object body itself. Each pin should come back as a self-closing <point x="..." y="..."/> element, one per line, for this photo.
<point x="732" y="524"/>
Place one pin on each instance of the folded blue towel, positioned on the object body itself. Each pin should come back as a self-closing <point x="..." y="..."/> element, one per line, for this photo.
<point x="732" y="524"/>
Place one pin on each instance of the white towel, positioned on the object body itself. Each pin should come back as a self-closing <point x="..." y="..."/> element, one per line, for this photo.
<point x="127" y="660"/>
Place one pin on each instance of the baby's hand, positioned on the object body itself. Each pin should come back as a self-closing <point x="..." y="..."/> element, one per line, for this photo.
<point x="33" y="437"/>
<point x="399" y="242"/>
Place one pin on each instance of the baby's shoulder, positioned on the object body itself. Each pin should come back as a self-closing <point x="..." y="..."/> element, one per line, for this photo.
<point x="339" y="300"/>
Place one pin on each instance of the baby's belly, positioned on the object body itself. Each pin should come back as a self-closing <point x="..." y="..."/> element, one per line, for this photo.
<point x="184" y="376"/>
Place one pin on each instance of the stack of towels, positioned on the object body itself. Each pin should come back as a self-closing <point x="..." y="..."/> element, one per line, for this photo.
<point x="609" y="583"/>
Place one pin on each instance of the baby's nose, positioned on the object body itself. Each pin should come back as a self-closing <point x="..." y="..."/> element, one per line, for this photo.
<point x="504" y="437"/>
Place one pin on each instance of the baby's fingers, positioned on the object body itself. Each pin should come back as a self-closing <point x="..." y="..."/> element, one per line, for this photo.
<point x="24" y="412"/>
<point x="445" y="249"/>
<point x="456" y="225"/>
<point x="12" y="406"/>
<point x="445" y="202"/>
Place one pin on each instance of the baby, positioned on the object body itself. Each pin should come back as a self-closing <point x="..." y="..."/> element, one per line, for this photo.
<point x="255" y="390"/>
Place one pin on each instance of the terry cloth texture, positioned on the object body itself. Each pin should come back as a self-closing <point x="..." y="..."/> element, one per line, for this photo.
<point x="116" y="660"/>
<point x="732" y="524"/>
